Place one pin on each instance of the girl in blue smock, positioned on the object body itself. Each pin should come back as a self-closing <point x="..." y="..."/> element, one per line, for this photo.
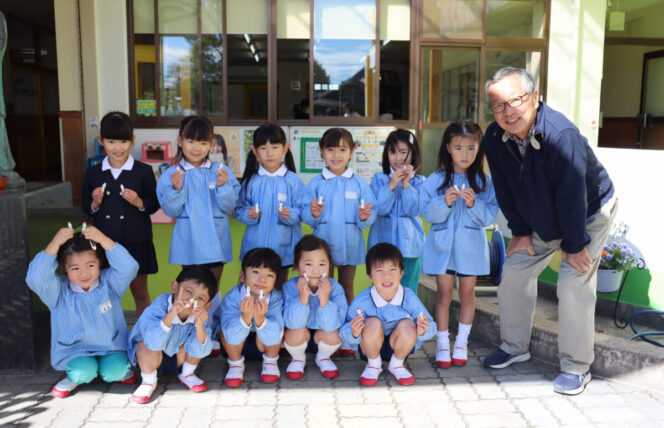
<point x="341" y="207"/>
<point x="271" y="197"/>
<point x="458" y="200"/>
<point x="200" y="195"/>
<point x="88" y="328"/>
<point x="397" y="190"/>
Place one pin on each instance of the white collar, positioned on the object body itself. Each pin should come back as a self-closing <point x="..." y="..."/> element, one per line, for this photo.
<point x="77" y="289"/>
<point x="327" y="174"/>
<point x="187" y="166"/>
<point x="243" y="292"/>
<point x="391" y="171"/>
<point x="397" y="300"/>
<point x="176" y="319"/>
<point x="127" y="166"/>
<point x="278" y="173"/>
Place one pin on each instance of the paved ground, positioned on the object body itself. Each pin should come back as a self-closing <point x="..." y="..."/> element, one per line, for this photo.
<point x="469" y="396"/>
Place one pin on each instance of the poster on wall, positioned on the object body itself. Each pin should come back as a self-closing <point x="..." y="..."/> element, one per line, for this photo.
<point x="366" y="160"/>
<point x="234" y="139"/>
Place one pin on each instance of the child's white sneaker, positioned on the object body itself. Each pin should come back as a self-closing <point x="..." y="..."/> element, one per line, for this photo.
<point x="193" y="382"/>
<point x="63" y="388"/>
<point x="327" y="368"/>
<point x="369" y="376"/>
<point x="143" y="393"/>
<point x="443" y="356"/>
<point x="270" y="373"/>
<point x="460" y="356"/>
<point x="235" y="373"/>
<point x="295" y="369"/>
<point x="402" y="375"/>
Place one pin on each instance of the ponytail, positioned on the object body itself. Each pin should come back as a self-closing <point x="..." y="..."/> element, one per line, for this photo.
<point x="289" y="161"/>
<point x="250" y="169"/>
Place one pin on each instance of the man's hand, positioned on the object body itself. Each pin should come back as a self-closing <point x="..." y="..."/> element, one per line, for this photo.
<point x="580" y="261"/>
<point x="518" y="243"/>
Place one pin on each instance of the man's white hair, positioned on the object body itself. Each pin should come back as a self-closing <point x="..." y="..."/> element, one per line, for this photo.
<point x="527" y="81"/>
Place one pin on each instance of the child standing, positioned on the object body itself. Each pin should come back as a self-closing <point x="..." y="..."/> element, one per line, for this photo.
<point x="119" y="194"/>
<point x="200" y="195"/>
<point x="349" y="200"/>
<point x="387" y="321"/>
<point x="397" y="190"/>
<point x="270" y="201"/>
<point x="251" y="317"/>
<point x="459" y="201"/>
<point x="174" y="324"/>
<point x="314" y="308"/>
<point x="88" y="329"/>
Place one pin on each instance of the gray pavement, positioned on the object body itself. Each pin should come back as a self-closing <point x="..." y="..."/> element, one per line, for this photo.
<point x="469" y="396"/>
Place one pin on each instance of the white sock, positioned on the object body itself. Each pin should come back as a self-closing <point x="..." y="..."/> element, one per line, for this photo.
<point x="462" y="335"/>
<point x="375" y="362"/>
<point x="188" y="369"/>
<point x="395" y="362"/>
<point x="236" y="362"/>
<point x="270" y="359"/>
<point x="443" y="339"/>
<point x="150" y="378"/>
<point x="297" y="352"/>
<point x="345" y="345"/>
<point x="325" y="350"/>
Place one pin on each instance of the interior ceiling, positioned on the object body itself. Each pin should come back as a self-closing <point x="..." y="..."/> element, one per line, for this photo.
<point x="38" y="12"/>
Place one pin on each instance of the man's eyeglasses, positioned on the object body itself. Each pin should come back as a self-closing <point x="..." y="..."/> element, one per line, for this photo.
<point x="514" y="103"/>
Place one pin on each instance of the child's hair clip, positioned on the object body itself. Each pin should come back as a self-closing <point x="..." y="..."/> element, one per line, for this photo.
<point x="411" y="139"/>
<point x="93" y="246"/>
<point x="251" y="146"/>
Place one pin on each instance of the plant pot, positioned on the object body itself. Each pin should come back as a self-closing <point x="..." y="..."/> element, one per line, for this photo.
<point x="608" y="281"/>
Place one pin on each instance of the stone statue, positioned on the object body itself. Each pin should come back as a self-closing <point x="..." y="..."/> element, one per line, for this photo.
<point x="7" y="163"/>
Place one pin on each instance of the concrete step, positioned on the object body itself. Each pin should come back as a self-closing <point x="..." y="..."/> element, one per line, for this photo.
<point x="616" y="357"/>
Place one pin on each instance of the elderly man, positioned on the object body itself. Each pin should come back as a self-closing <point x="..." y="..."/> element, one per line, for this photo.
<point x="555" y="195"/>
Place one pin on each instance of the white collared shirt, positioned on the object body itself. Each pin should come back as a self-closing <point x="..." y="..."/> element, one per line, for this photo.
<point x="187" y="166"/>
<point x="127" y="166"/>
<point x="327" y="174"/>
<point x="176" y="319"/>
<point x="397" y="300"/>
<point x="77" y="289"/>
<point x="278" y="173"/>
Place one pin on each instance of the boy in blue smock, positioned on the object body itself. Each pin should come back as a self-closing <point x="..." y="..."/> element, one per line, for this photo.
<point x="88" y="328"/>
<point x="387" y="320"/>
<point x="174" y="325"/>
<point x="252" y="323"/>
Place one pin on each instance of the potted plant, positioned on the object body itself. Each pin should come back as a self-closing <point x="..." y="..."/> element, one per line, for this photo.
<point x="617" y="258"/>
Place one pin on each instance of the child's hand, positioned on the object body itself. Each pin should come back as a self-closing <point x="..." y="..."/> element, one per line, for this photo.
<point x="247" y="309"/>
<point x="175" y="310"/>
<point x="132" y="197"/>
<point x="451" y="195"/>
<point x="260" y="308"/>
<point x="364" y="213"/>
<point x="97" y="197"/>
<point x="177" y="178"/>
<point x="222" y="176"/>
<point x="284" y="213"/>
<point x="253" y="213"/>
<point x="303" y="289"/>
<point x="357" y="325"/>
<point x="397" y="176"/>
<point x="324" y="290"/>
<point x="200" y="315"/>
<point x="316" y="208"/>
<point x="422" y="324"/>
<point x="93" y="234"/>
<point x="405" y="181"/>
<point x="63" y="235"/>
<point x="468" y="195"/>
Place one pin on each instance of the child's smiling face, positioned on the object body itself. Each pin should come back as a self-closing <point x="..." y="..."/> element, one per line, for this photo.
<point x="257" y="279"/>
<point x="386" y="276"/>
<point x="187" y="290"/>
<point x="313" y="264"/>
<point x="82" y="268"/>
<point x="399" y="156"/>
<point x="336" y="158"/>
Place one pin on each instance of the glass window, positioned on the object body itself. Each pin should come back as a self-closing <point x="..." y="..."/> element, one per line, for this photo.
<point x="394" y="59"/>
<point x="497" y="59"/>
<point x="178" y="83"/>
<point x="452" y="19"/>
<point x="293" y="59"/>
<point x="144" y="58"/>
<point x="178" y="16"/>
<point x="247" y="59"/>
<point x="515" y="18"/>
<point x="344" y="57"/>
<point x="450" y="79"/>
